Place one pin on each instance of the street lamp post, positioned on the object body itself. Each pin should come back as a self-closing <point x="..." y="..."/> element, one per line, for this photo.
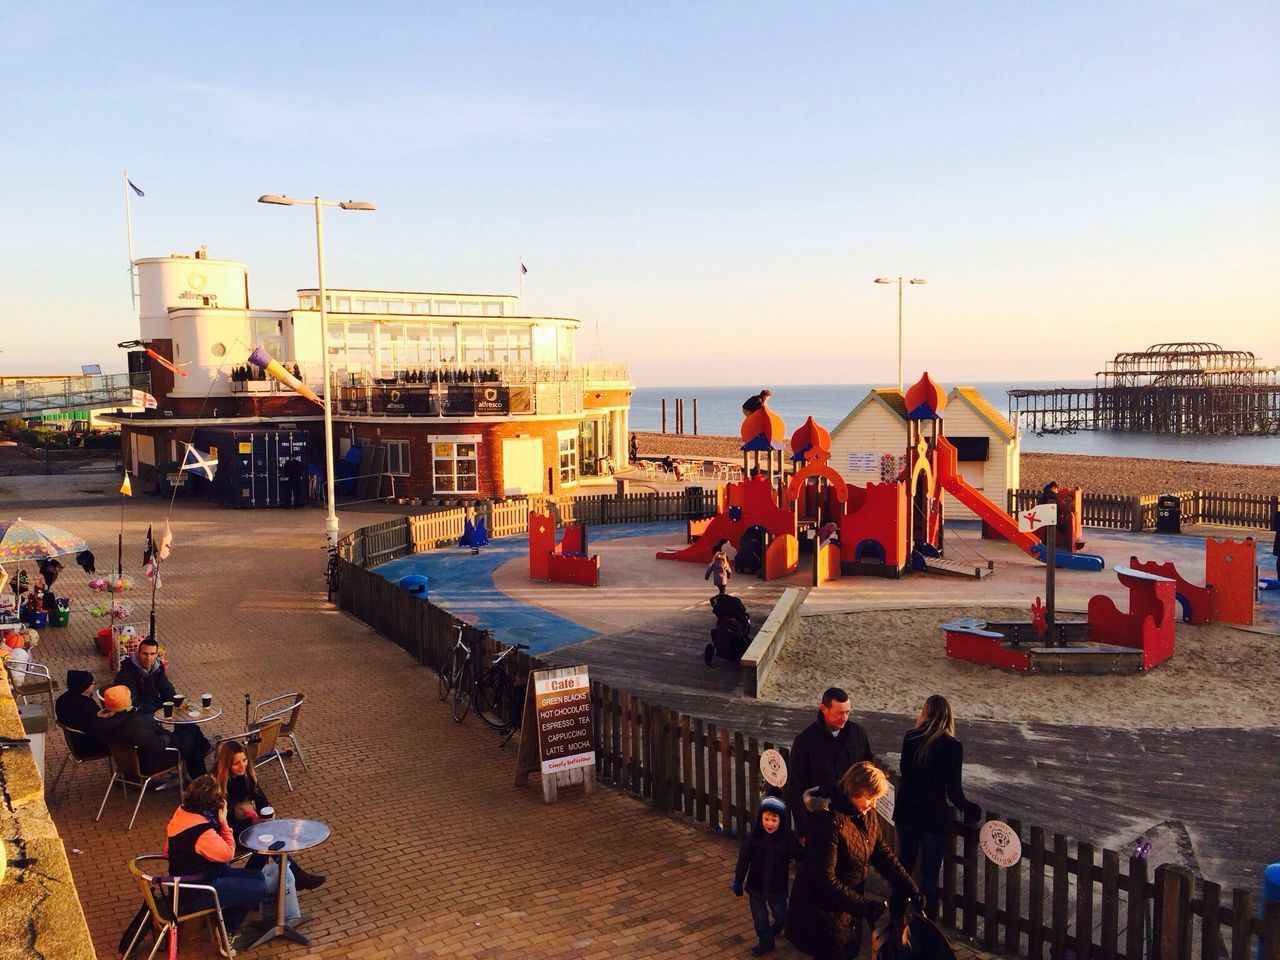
<point x="331" y="521"/>
<point x="899" y="281"/>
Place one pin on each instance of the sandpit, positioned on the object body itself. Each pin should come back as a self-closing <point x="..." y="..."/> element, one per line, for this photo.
<point x="890" y="660"/>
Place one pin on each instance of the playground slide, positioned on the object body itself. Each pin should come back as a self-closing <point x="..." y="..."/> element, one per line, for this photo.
<point x="996" y="518"/>
<point x="1066" y="560"/>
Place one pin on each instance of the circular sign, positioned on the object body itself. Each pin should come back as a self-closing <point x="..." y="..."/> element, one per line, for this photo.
<point x="196" y="281"/>
<point x="1000" y="843"/>
<point x="773" y="768"/>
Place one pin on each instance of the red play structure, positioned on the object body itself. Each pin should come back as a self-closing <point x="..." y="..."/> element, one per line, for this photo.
<point x="880" y="529"/>
<point x="1148" y="626"/>
<point x="563" y="562"/>
<point x="1230" y="580"/>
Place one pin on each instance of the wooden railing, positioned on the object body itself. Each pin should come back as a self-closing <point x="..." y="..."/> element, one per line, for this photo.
<point x="1138" y="513"/>
<point x="1063" y="898"/>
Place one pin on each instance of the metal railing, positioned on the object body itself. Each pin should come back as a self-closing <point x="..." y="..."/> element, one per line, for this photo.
<point x="32" y="398"/>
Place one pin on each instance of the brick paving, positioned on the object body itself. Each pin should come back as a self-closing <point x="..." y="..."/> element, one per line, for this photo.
<point x="434" y="853"/>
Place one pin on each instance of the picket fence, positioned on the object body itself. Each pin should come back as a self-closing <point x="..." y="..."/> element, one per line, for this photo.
<point x="1138" y="513"/>
<point x="1063" y="900"/>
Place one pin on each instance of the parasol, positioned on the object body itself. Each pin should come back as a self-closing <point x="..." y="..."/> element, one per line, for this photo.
<point x="24" y="540"/>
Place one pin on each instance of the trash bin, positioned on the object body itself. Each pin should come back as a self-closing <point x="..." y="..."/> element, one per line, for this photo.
<point x="35" y="724"/>
<point x="1168" y="514"/>
<point x="414" y="583"/>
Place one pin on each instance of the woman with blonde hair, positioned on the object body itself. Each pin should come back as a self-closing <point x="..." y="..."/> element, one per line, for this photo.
<point x="932" y="762"/>
<point x="842" y="839"/>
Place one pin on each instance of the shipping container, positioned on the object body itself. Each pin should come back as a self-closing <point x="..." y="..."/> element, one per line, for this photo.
<point x="253" y="465"/>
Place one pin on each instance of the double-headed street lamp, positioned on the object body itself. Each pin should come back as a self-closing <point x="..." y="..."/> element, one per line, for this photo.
<point x="331" y="521"/>
<point x="899" y="281"/>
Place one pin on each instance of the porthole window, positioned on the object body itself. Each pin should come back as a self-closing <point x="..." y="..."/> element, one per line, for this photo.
<point x="218" y="349"/>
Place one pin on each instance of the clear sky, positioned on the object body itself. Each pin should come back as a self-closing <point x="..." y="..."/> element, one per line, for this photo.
<point x="712" y="186"/>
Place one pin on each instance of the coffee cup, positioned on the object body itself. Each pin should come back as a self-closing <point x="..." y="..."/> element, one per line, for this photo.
<point x="179" y="699"/>
<point x="206" y="700"/>
<point x="168" y="708"/>
<point x="266" y="813"/>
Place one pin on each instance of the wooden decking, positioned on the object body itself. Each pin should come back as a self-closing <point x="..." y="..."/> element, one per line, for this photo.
<point x="1100" y="785"/>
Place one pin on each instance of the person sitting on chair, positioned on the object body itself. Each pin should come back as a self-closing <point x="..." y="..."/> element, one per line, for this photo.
<point x="120" y="723"/>
<point x="77" y="709"/>
<point x="144" y="674"/>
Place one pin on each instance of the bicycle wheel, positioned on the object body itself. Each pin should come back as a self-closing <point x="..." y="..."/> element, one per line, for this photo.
<point x="450" y="672"/>
<point x="462" y="694"/>
<point x="493" y="699"/>
<point x="331" y="575"/>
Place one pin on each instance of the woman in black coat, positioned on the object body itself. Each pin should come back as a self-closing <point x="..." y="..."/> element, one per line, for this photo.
<point x="842" y="839"/>
<point x="932" y="761"/>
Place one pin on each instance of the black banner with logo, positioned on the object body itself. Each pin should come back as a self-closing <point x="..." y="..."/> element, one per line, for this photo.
<point x="477" y="399"/>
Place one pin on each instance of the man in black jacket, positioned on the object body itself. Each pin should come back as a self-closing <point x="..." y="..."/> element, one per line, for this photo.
<point x="145" y="676"/>
<point x="823" y="751"/>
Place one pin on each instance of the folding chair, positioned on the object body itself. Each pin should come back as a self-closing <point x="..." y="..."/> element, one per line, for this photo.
<point x="650" y="470"/>
<point x="162" y="896"/>
<point x="73" y="754"/>
<point x="128" y="771"/>
<point x="31" y="679"/>
<point x="260" y="743"/>
<point x="286" y="708"/>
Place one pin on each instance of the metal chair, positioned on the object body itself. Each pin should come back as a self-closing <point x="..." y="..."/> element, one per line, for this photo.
<point x="77" y="756"/>
<point x="650" y="469"/>
<point x="260" y="743"/>
<point x="31" y="679"/>
<point x="128" y="771"/>
<point x="162" y="893"/>
<point x="286" y="708"/>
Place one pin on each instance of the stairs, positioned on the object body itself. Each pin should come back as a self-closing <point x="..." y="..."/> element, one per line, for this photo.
<point x="954" y="568"/>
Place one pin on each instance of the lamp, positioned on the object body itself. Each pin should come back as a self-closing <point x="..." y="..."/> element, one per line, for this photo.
<point x="899" y="281"/>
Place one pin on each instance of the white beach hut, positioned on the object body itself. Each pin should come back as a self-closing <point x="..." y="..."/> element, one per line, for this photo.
<point x="870" y="443"/>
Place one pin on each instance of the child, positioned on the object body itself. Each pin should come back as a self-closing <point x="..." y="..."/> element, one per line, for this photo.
<point x="720" y="570"/>
<point x="763" y="870"/>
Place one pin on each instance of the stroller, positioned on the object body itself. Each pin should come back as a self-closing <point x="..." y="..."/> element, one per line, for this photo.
<point x="730" y="636"/>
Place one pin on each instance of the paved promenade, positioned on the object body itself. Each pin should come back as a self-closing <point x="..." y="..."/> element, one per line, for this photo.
<point x="434" y="853"/>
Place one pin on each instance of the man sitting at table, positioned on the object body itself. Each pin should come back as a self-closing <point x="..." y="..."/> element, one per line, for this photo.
<point x="77" y="709"/>
<point x="145" y="676"/>
<point x="120" y="722"/>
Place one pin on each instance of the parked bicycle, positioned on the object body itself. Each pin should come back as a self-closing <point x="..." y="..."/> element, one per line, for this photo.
<point x="331" y="572"/>
<point x="456" y="677"/>
<point x="498" y="696"/>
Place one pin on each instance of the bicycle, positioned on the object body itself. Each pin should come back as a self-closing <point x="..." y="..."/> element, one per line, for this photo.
<point x="456" y="677"/>
<point x="331" y="572"/>
<point x="499" y="699"/>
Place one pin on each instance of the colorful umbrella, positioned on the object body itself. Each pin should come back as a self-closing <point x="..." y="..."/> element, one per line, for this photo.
<point x="23" y="540"/>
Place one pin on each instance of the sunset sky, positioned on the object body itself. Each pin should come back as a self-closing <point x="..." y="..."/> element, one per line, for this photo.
<point x="712" y="186"/>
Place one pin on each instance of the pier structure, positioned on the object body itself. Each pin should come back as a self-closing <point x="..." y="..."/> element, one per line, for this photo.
<point x="1179" y="388"/>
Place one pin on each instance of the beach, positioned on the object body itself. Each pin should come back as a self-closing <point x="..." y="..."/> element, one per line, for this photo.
<point x="1119" y="475"/>
<point x="889" y="660"/>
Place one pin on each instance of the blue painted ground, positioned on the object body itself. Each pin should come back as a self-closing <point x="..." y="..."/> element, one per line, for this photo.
<point x="463" y="583"/>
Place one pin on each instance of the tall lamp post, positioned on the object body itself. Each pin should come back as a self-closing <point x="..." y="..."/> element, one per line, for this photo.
<point x="331" y="521"/>
<point x="899" y="281"/>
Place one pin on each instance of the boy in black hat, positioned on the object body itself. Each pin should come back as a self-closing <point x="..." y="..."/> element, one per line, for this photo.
<point x="763" y="870"/>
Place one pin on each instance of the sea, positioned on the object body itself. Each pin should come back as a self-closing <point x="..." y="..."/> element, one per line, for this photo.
<point x="720" y="414"/>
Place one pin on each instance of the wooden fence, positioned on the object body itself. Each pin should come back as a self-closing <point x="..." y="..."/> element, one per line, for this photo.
<point x="1138" y="513"/>
<point x="1062" y="901"/>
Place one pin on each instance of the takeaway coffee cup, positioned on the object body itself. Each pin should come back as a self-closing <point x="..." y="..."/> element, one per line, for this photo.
<point x="179" y="699"/>
<point x="266" y="813"/>
<point x="206" y="700"/>
<point x="168" y="708"/>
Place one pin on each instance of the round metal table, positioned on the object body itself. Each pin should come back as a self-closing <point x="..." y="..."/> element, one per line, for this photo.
<point x="296" y="835"/>
<point x="189" y="713"/>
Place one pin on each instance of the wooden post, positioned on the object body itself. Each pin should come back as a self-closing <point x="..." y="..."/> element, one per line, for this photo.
<point x="1172" y="921"/>
<point x="664" y="414"/>
<point x="695" y="416"/>
<point x="1136" y="524"/>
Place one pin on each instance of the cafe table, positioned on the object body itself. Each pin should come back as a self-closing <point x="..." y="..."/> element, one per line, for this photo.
<point x="279" y="838"/>
<point x="189" y="712"/>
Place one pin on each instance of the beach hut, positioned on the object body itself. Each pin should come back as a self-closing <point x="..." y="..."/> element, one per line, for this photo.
<point x="869" y="445"/>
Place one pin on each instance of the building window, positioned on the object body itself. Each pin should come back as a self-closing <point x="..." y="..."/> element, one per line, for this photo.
<point x="397" y="457"/>
<point x="455" y="468"/>
<point x="266" y="332"/>
<point x="568" y="456"/>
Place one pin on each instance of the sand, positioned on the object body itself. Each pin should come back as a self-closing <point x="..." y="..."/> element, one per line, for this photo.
<point x="889" y="660"/>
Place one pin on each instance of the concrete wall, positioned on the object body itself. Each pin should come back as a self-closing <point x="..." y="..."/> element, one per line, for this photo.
<point x="773" y="636"/>
<point x="40" y="914"/>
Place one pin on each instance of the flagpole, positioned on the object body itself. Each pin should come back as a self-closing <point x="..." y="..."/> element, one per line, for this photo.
<point x="520" y="285"/>
<point x="128" y="227"/>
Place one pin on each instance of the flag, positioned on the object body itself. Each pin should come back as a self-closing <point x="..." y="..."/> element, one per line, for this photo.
<point x="150" y="548"/>
<point x="126" y="488"/>
<point x="199" y="461"/>
<point x="167" y="364"/>
<point x="143" y="399"/>
<point x="523" y="268"/>
<point x="1041" y="515"/>
<point x="136" y="189"/>
<point x="165" y="542"/>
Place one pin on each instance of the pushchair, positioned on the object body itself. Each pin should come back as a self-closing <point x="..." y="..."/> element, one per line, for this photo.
<point x="730" y="636"/>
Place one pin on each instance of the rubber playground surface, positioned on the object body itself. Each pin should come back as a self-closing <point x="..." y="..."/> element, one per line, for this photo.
<point x="493" y="589"/>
